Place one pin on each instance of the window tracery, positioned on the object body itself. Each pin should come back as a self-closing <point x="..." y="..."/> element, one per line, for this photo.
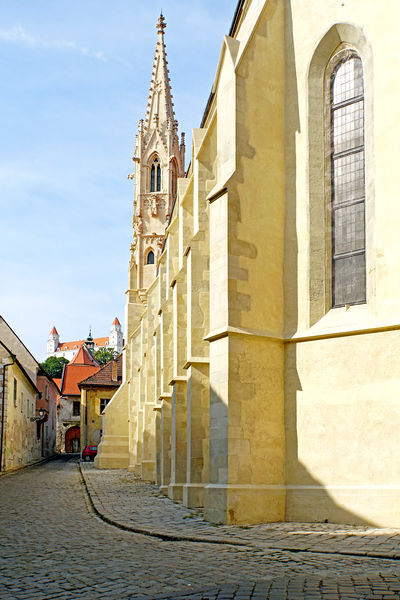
<point x="155" y="176"/>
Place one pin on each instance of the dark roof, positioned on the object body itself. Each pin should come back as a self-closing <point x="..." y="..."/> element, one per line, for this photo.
<point x="232" y="31"/>
<point x="103" y="378"/>
<point x="21" y="368"/>
<point x="236" y="17"/>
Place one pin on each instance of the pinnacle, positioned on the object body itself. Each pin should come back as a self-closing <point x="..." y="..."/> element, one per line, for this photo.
<point x="161" y="24"/>
<point x="160" y="97"/>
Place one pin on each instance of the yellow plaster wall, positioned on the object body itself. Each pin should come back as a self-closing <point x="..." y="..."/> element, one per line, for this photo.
<point x="340" y="390"/>
<point x="20" y="443"/>
<point x="90" y="406"/>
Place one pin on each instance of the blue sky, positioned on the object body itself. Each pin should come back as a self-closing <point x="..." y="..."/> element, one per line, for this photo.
<point x="74" y="83"/>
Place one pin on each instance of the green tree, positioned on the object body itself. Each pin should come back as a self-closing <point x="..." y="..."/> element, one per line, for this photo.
<point x="54" y="365"/>
<point x="104" y="355"/>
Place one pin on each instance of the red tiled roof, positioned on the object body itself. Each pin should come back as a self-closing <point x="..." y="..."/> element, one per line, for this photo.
<point x="74" y="374"/>
<point x="57" y="381"/>
<point x="103" y="377"/>
<point x="116" y="322"/>
<point x="84" y="357"/>
<point x="100" y="342"/>
<point x="54" y="330"/>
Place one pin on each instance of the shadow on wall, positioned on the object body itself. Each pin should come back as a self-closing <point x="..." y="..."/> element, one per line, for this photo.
<point x="307" y="499"/>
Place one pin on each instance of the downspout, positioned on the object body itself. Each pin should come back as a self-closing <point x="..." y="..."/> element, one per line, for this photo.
<point x="3" y="403"/>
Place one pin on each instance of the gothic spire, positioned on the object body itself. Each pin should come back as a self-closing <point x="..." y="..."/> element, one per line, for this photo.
<point x="159" y="106"/>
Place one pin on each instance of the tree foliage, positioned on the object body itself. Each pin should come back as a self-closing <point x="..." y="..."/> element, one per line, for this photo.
<point x="54" y="365"/>
<point x="104" y="355"/>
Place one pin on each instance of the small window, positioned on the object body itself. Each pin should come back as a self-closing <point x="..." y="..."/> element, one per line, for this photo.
<point x="150" y="258"/>
<point x="103" y="403"/>
<point x="15" y="392"/>
<point x="75" y="347"/>
<point x="22" y="401"/>
<point x="76" y="408"/>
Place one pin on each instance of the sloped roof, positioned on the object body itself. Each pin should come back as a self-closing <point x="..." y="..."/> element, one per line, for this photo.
<point x="103" y="341"/>
<point x="57" y="381"/>
<point x="15" y="361"/>
<point x="54" y="330"/>
<point x="81" y="366"/>
<point x="116" y="322"/>
<point x="84" y="357"/>
<point x="103" y="377"/>
<point x="74" y="374"/>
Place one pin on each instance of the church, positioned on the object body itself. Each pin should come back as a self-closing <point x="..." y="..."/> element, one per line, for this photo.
<point x="261" y="377"/>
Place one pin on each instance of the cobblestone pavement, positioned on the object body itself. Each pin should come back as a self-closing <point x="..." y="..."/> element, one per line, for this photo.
<point x="134" y="504"/>
<point x="54" y="546"/>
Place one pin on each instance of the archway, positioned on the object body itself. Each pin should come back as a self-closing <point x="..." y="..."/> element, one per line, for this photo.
<point x="72" y="439"/>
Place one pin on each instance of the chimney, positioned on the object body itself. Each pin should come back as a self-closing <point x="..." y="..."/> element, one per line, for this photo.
<point x="114" y="371"/>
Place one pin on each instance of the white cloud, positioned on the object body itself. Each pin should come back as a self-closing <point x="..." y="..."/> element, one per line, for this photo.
<point x="18" y="35"/>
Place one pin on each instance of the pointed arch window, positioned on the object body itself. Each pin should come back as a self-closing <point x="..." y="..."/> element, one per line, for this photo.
<point x="155" y="176"/>
<point x="150" y="258"/>
<point x="347" y="196"/>
<point x="173" y="178"/>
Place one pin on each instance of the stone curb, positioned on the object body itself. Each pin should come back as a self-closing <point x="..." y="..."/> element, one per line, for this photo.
<point x="169" y="536"/>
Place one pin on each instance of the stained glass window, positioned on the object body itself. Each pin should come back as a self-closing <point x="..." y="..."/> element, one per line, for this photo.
<point x="348" y="182"/>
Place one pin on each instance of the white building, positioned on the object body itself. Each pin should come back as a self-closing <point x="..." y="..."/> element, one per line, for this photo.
<point x="69" y="349"/>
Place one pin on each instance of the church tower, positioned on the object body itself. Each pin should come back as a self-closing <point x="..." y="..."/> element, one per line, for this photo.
<point x="159" y="160"/>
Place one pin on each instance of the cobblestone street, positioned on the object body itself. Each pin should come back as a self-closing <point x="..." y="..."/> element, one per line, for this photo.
<point x="55" y="546"/>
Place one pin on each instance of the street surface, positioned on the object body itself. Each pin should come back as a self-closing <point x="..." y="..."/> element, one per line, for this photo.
<point x="54" y="546"/>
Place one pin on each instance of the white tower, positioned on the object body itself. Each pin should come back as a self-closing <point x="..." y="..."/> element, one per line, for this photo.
<point x="116" y="338"/>
<point x="159" y="161"/>
<point x="52" y="342"/>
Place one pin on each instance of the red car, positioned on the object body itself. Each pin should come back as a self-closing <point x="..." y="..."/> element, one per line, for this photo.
<point x="89" y="453"/>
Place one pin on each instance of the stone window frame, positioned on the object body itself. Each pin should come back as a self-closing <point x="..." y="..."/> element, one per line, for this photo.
<point x="338" y="38"/>
<point x="146" y="258"/>
<point x="157" y="183"/>
<point x="343" y="53"/>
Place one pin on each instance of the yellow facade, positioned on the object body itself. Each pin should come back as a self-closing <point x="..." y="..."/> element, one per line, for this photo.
<point x="246" y="390"/>
<point x="93" y="402"/>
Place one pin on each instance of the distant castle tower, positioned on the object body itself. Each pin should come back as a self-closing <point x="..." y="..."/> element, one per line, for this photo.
<point x="116" y="337"/>
<point x="69" y="349"/>
<point x="159" y="161"/>
<point x="53" y="342"/>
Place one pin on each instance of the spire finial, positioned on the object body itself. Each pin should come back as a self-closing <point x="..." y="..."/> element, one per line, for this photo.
<point x="161" y="24"/>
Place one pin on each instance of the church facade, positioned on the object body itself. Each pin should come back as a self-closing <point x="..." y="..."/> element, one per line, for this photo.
<point x="261" y="378"/>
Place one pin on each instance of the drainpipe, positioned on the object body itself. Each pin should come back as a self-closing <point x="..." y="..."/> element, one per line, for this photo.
<point x="3" y="403"/>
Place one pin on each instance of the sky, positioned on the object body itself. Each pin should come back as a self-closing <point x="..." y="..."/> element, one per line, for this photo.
<point x="74" y="82"/>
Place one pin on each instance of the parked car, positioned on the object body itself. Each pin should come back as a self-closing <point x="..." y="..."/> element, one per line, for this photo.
<point x="89" y="453"/>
